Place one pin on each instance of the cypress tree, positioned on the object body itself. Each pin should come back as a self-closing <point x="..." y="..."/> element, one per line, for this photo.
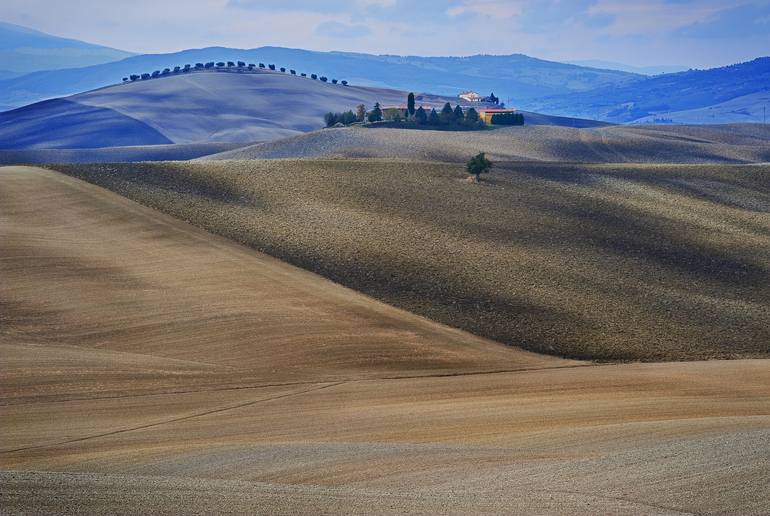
<point x="472" y="116"/>
<point x="410" y="104"/>
<point x="421" y="116"/>
<point x="459" y="114"/>
<point x="433" y="118"/>
<point x="375" y="115"/>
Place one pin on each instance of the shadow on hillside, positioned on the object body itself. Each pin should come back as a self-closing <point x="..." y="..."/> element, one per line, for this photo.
<point x="166" y="177"/>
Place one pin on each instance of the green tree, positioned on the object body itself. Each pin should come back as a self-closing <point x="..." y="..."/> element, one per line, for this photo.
<point x="421" y="116"/>
<point x="447" y="113"/>
<point x="410" y="104"/>
<point x="433" y="118"/>
<point x="478" y="164"/>
<point x="459" y="116"/>
<point x="360" y="112"/>
<point x="375" y="115"/>
<point x="348" y="117"/>
<point x="472" y="117"/>
<point x="330" y="119"/>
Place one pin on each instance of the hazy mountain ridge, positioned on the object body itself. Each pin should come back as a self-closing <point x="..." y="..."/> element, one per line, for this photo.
<point x="517" y="76"/>
<point x="730" y="94"/>
<point x="664" y="95"/>
<point x="24" y="50"/>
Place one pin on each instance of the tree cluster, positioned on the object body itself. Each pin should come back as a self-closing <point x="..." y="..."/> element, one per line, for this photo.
<point x="448" y="117"/>
<point x="346" y="118"/>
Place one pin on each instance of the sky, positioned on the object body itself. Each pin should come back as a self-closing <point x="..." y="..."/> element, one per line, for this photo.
<point x="693" y="33"/>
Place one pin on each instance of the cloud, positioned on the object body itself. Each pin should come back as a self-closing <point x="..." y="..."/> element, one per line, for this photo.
<point x="488" y="8"/>
<point x="638" y="32"/>
<point x="334" y="29"/>
<point x="743" y="21"/>
<point x="651" y="17"/>
<point x="337" y="6"/>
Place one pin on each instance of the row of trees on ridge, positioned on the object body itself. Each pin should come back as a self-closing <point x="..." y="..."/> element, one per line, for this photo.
<point x="240" y="66"/>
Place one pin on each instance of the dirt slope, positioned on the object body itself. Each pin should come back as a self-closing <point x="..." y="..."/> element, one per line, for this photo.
<point x="92" y="278"/>
<point x="151" y="367"/>
<point x="539" y="140"/>
<point x="173" y="152"/>
<point x="614" y="262"/>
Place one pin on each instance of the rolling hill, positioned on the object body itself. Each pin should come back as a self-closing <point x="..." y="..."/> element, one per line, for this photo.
<point x="541" y="139"/>
<point x="517" y="76"/>
<point x="196" y="107"/>
<point x="612" y="262"/>
<point x="151" y="367"/>
<point x="665" y="96"/>
<point x="24" y="50"/>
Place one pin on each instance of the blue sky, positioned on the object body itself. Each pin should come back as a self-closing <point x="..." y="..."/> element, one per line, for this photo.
<point x="697" y="33"/>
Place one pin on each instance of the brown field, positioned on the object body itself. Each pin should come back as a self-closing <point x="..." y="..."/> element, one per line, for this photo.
<point x="738" y="143"/>
<point x="151" y="367"/>
<point x="607" y="262"/>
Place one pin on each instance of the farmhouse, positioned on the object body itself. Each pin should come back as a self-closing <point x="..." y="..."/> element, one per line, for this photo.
<point x="472" y="96"/>
<point x="486" y="114"/>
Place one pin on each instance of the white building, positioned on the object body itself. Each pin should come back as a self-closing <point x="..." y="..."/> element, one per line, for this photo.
<point x="471" y="96"/>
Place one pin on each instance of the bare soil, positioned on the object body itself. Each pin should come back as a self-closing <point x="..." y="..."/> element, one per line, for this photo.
<point x="599" y="262"/>
<point x="151" y="367"/>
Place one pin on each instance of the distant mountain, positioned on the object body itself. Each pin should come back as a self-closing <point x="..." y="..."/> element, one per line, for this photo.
<point x="664" y="97"/>
<point x="6" y="74"/>
<point x="24" y="50"/>
<point x="642" y="70"/>
<point x="517" y="76"/>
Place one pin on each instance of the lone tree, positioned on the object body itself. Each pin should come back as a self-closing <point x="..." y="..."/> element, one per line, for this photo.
<point x="477" y="165"/>
<point x="375" y="115"/>
<point x="410" y="104"/>
<point x="360" y="113"/>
